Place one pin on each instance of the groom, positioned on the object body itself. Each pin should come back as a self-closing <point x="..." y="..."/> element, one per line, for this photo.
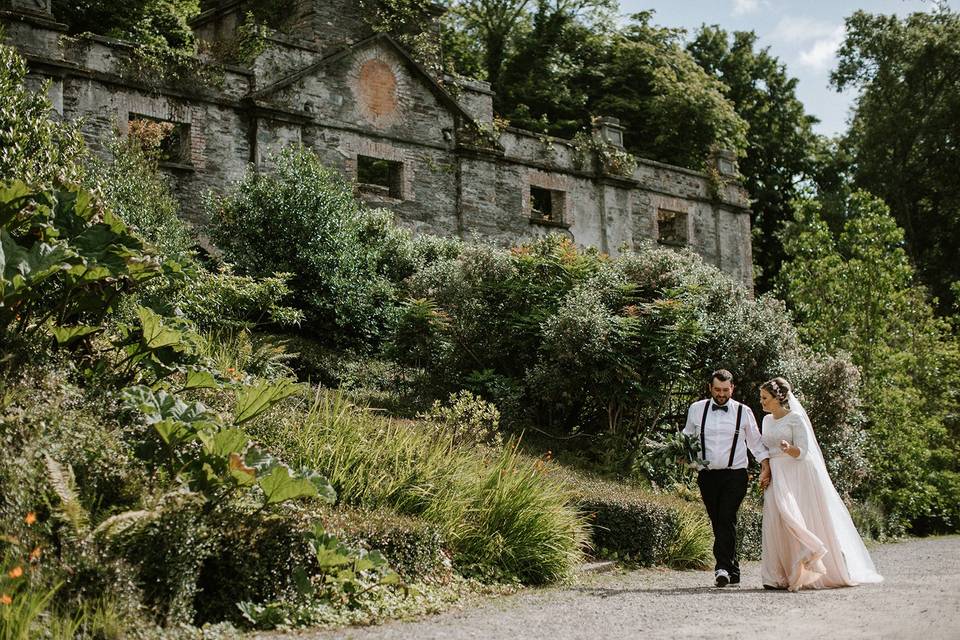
<point x="725" y="429"/>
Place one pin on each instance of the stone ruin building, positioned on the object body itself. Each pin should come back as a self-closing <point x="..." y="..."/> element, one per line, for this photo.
<point x="425" y="147"/>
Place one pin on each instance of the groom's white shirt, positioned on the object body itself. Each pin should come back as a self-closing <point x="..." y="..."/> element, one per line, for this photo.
<point x="719" y="430"/>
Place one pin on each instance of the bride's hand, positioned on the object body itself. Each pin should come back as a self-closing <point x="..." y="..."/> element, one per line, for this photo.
<point x="787" y="448"/>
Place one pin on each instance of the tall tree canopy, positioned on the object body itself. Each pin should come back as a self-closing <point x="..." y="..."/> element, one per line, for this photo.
<point x="162" y="23"/>
<point x="781" y="144"/>
<point x="564" y="61"/>
<point x="905" y="133"/>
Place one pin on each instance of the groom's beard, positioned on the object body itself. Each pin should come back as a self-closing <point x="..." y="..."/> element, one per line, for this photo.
<point x="721" y="400"/>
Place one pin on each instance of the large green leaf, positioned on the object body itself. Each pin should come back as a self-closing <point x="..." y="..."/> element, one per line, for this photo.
<point x="14" y="198"/>
<point x="200" y="379"/>
<point x="21" y="267"/>
<point x="173" y="432"/>
<point x="255" y="399"/>
<point x="160" y="405"/>
<point x="225" y="442"/>
<point x="279" y="486"/>
<point x="66" y="335"/>
<point x="156" y="334"/>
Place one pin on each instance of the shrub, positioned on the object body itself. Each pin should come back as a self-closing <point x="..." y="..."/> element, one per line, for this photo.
<point x="500" y="516"/>
<point x="139" y="194"/>
<point x="221" y="300"/>
<point x="36" y="150"/>
<point x="325" y="241"/>
<point x="830" y="390"/>
<point x="750" y="527"/>
<point x="627" y="523"/>
<point x="66" y="260"/>
<point x="482" y="309"/>
<point x="414" y="548"/>
<point x="468" y="419"/>
<point x="252" y="559"/>
<point x="168" y="550"/>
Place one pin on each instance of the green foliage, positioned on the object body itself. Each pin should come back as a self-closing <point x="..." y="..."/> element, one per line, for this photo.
<point x="217" y="459"/>
<point x="221" y="300"/>
<point x="482" y="309"/>
<point x="554" y="65"/>
<point x="583" y="344"/>
<point x="414" y="548"/>
<point x="831" y="391"/>
<point x="854" y="291"/>
<point x="63" y="258"/>
<point x="157" y="23"/>
<point x="904" y="124"/>
<point x="326" y="243"/>
<point x="168" y="549"/>
<point x="132" y="187"/>
<point x="750" y="526"/>
<point x="779" y="140"/>
<point x="35" y="149"/>
<point x="466" y="418"/>
<point x="673" y="110"/>
<point x="500" y="516"/>
<point x="136" y="190"/>
<point x="641" y="527"/>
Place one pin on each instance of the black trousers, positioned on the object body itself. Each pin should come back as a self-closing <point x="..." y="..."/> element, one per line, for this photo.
<point x="722" y="491"/>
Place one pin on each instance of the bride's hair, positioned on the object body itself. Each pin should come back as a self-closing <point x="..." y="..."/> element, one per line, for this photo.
<point x="779" y="388"/>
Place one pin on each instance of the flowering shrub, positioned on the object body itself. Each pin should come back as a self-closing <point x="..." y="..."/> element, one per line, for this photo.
<point x="466" y="418"/>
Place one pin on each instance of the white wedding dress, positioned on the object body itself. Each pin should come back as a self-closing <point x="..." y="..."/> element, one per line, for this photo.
<point x="809" y="539"/>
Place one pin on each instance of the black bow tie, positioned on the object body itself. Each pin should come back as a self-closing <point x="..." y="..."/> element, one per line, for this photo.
<point x="721" y="407"/>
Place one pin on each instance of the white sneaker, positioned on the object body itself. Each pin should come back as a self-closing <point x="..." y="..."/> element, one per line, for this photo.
<point x="723" y="578"/>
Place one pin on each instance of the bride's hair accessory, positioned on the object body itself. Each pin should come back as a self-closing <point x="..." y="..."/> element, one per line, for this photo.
<point x="780" y="389"/>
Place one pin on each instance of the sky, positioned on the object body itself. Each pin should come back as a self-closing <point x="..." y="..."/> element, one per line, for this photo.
<point x="803" y="34"/>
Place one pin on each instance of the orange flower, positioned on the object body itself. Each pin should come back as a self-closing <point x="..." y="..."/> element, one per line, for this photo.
<point x="16" y="572"/>
<point x="35" y="554"/>
<point x="5" y="599"/>
<point x="31" y="518"/>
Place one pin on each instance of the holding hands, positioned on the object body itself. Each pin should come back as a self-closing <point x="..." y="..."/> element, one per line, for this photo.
<point x="765" y="476"/>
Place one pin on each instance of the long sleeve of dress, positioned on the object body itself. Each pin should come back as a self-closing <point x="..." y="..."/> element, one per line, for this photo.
<point x="752" y="434"/>
<point x="799" y="436"/>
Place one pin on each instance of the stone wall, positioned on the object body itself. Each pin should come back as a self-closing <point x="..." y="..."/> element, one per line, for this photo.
<point x="362" y="103"/>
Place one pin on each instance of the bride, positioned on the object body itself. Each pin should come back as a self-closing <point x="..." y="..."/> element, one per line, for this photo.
<point x="809" y="539"/>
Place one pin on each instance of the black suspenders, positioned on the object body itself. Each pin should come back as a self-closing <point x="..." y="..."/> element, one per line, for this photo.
<point x="703" y="438"/>
<point x="736" y="434"/>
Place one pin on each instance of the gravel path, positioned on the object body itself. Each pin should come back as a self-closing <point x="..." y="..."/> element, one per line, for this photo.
<point x="920" y="598"/>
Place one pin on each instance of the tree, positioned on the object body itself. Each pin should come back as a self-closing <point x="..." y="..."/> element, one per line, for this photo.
<point x="780" y="139"/>
<point x="672" y="109"/>
<point x="854" y="291"/>
<point x="905" y="133"/>
<point x="567" y="69"/>
<point x="493" y="28"/>
<point x="556" y="68"/>
<point x="160" y="23"/>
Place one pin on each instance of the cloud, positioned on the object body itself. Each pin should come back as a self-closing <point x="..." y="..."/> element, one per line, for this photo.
<point x="815" y="42"/>
<point x="822" y="53"/>
<point x="743" y="7"/>
<point x="799" y="30"/>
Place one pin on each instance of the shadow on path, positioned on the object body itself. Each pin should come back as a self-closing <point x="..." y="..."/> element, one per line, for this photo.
<point x="600" y="592"/>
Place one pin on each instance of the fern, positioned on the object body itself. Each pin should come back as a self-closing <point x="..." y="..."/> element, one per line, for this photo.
<point x="64" y="484"/>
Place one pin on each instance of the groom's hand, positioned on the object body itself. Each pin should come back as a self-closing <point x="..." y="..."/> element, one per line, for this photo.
<point x="765" y="475"/>
<point x="764" y="479"/>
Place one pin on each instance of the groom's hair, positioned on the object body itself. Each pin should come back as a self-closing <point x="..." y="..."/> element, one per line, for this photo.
<point x="722" y="375"/>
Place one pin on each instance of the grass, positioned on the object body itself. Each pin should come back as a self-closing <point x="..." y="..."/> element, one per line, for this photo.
<point x="20" y="618"/>
<point x="505" y="518"/>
